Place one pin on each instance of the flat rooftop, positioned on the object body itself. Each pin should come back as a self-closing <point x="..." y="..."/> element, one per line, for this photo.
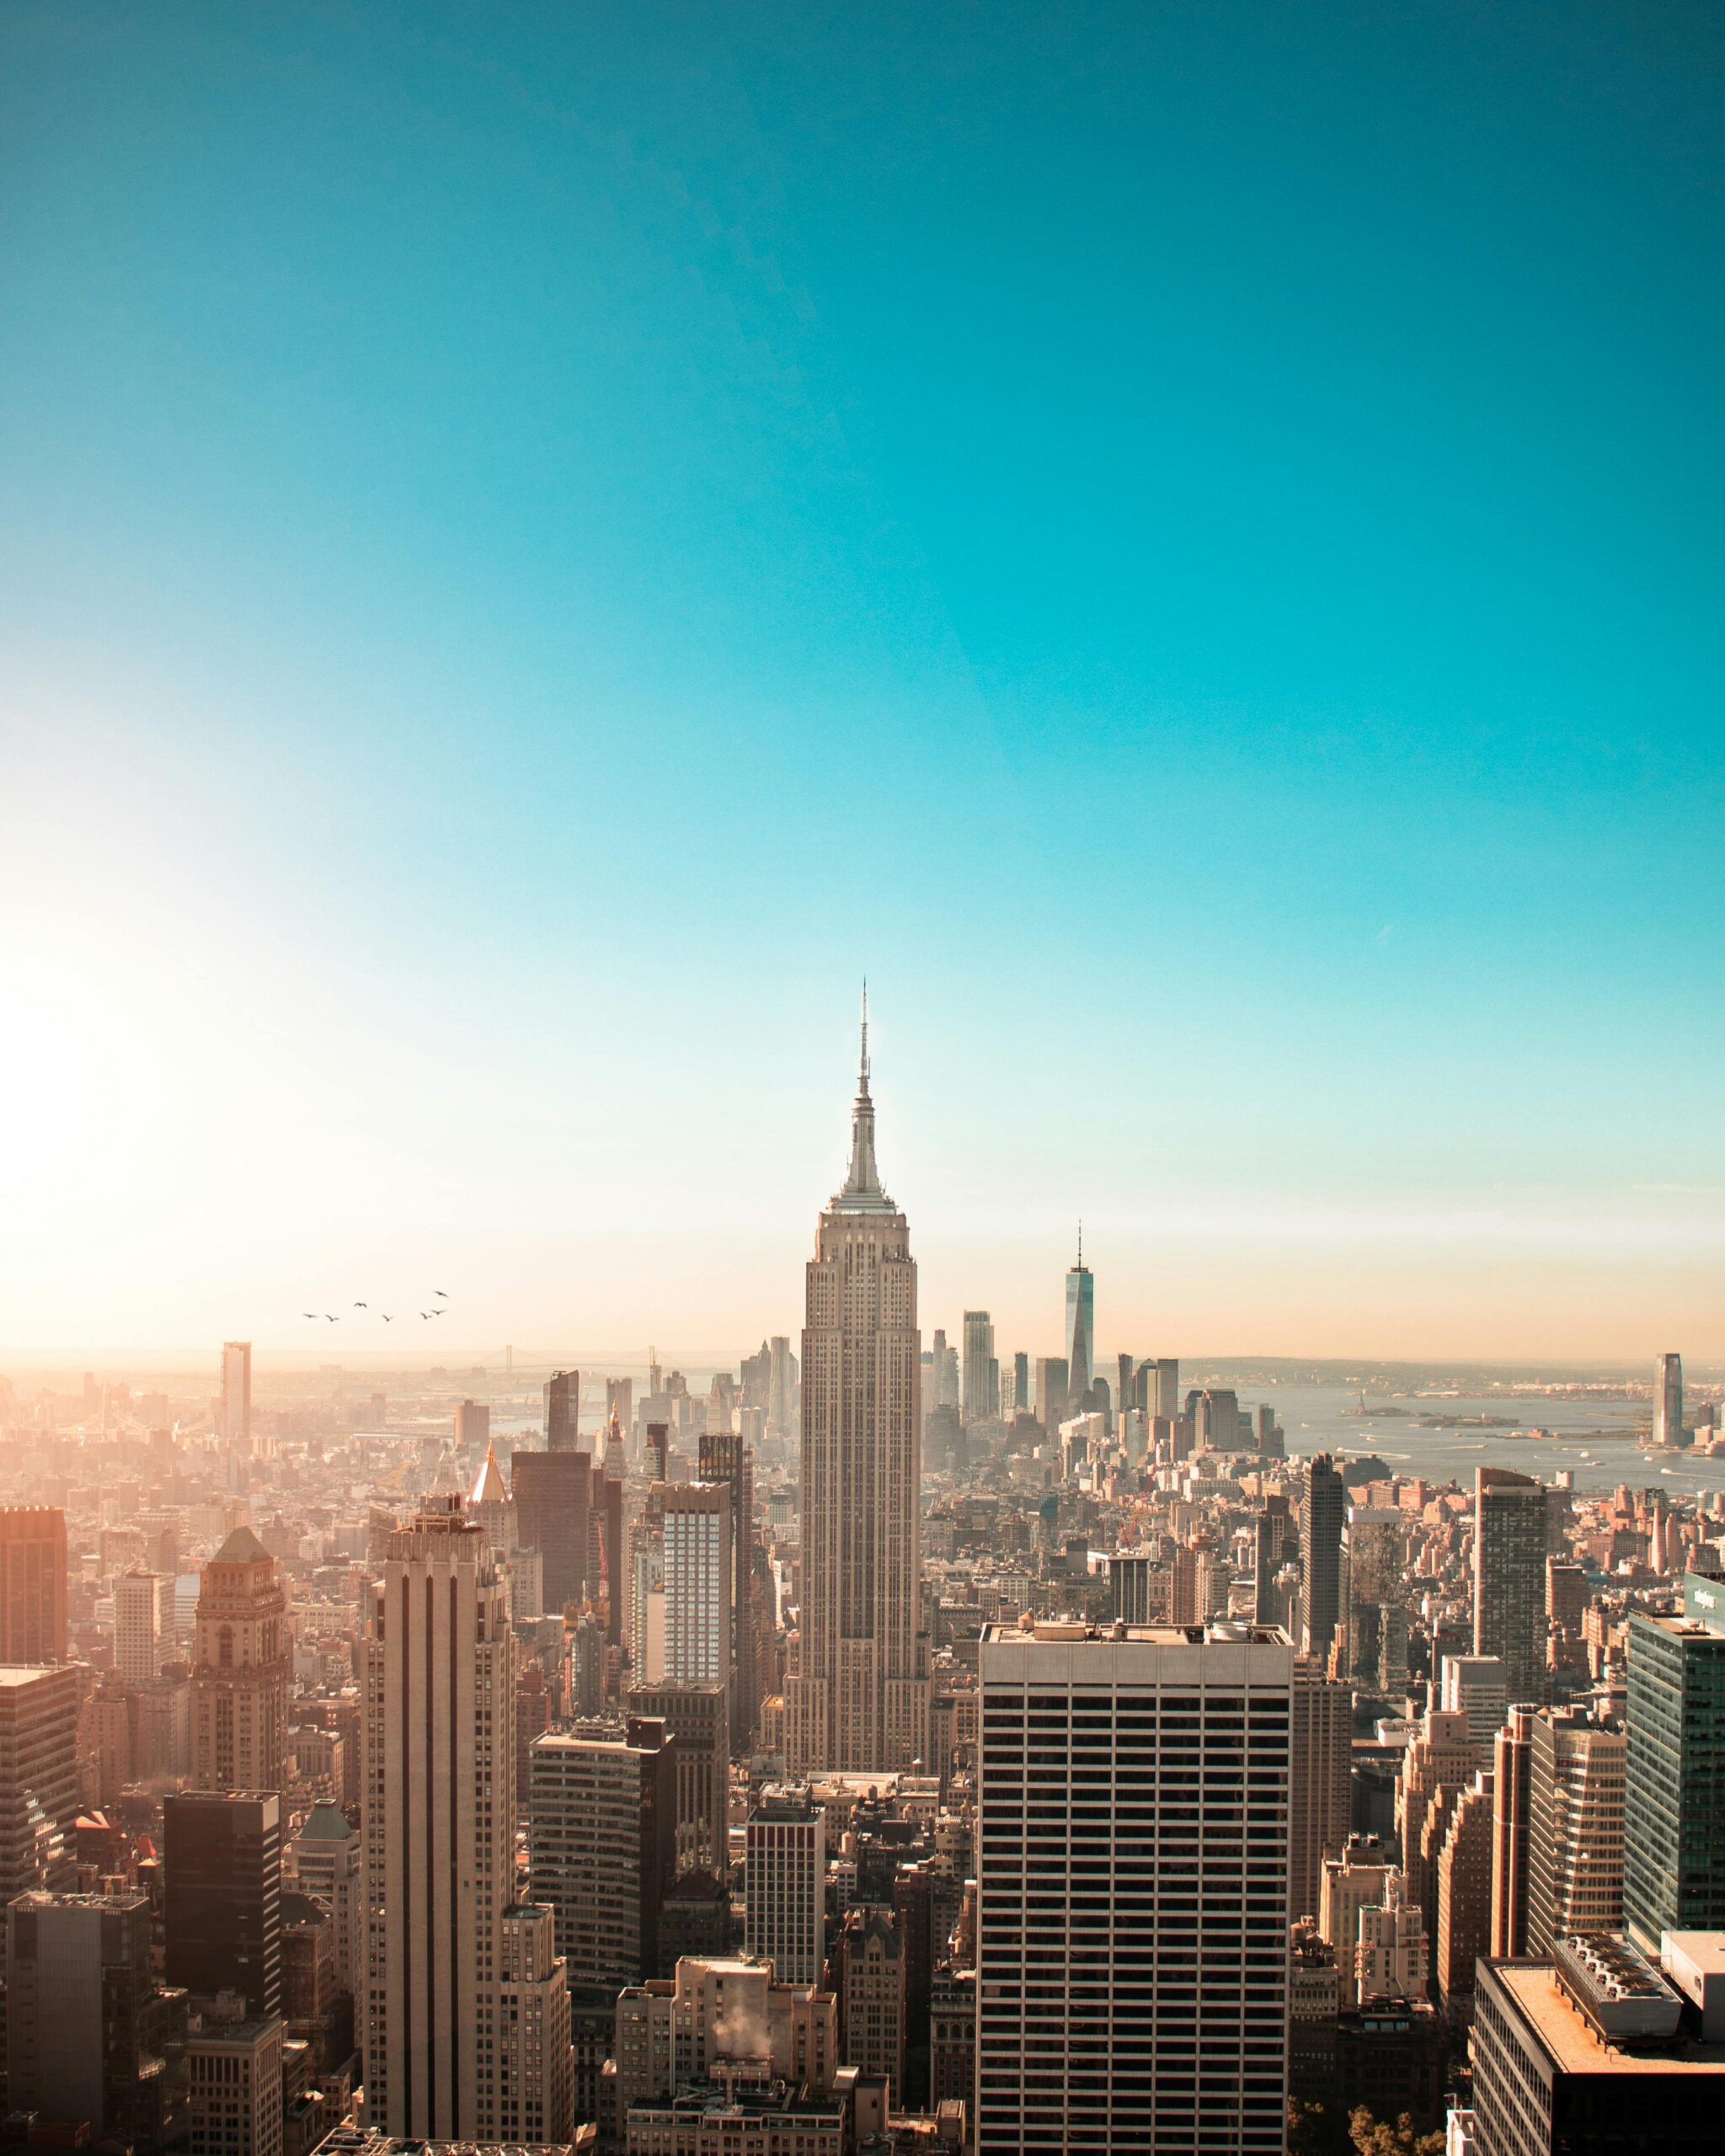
<point x="1070" y="1632"/>
<point x="1575" y="2049"/>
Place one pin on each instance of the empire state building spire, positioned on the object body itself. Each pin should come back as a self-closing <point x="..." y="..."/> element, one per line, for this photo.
<point x="862" y="1192"/>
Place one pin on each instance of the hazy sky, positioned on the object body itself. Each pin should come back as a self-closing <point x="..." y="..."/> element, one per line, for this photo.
<point x="538" y="543"/>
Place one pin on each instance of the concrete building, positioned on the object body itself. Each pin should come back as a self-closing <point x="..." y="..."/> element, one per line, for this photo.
<point x="870" y="1980"/>
<point x="859" y="1697"/>
<point x="981" y="1399"/>
<point x="83" y="2039"/>
<point x="32" y="1584"/>
<point x="325" y="1861"/>
<point x="1512" y="1757"/>
<point x="463" y="2036"/>
<point x="785" y="1884"/>
<point x="233" y="2089"/>
<point x="1132" y="1955"/>
<point x="1393" y="1958"/>
<point x="696" y="1717"/>
<point x="39" y="1779"/>
<point x="1463" y="1931"/>
<point x="1584" y="2055"/>
<point x="241" y="1660"/>
<point x="1510" y="1513"/>
<point x="1575" y="1795"/>
<point x="699" y="1561"/>
<point x="1359" y="1879"/>
<point x="1319" y="1792"/>
<point x="143" y="1626"/>
<point x="1476" y="1685"/>
<point x="716" y="2009"/>
<point x="601" y="1827"/>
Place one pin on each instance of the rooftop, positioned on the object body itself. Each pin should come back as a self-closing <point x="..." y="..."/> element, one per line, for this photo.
<point x="1062" y="1632"/>
<point x="1534" y="1989"/>
<point x="242" y="1547"/>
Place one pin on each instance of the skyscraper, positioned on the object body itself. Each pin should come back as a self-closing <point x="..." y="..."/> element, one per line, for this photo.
<point x="1080" y="1328"/>
<point x="1574" y="1827"/>
<point x="1319" y="1780"/>
<point x="141" y="1614"/>
<point x="1668" y="1400"/>
<point x="859" y="1698"/>
<point x="981" y="1372"/>
<point x="1053" y="1392"/>
<point x="221" y="1877"/>
<point x="236" y="1408"/>
<point x="601" y="1845"/>
<point x="554" y="1496"/>
<point x="563" y="1410"/>
<point x="39" y="1779"/>
<point x="1509" y="1578"/>
<point x="240" y="1663"/>
<point x="785" y="1884"/>
<point x="1321" y="1516"/>
<point x="32" y="1584"/>
<point x="467" y="2015"/>
<point x="696" y="1523"/>
<point x="725" y="1460"/>
<point x="1132" y="1853"/>
<point x="1674" y="1797"/>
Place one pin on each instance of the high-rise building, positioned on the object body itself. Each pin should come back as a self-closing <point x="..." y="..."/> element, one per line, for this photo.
<point x="1020" y="1383"/>
<point x="1436" y="1767"/>
<point x="1668" y="1400"/>
<point x="601" y="1817"/>
<point x="725" y="1460"/>
<point x="1357" y="1879"/>
<point x="1510" y="1578"/>
<point x="1324" y="1506"/>
<point x="1512" y="1755"/>
<point x="32" y="1584"/>
<point x="83" y="2036"/>
<point x="1080" y="1328"/>
<point x="39" y="1779"/>
<point x="1674" y="1797"/>
<point x="142" y="1612"/>
<point x="869" y="1978"/>
<point x="1052" y="1391"/>
<point x="1394" y="1954"/>
<point x="563" y="1410"/>
<point x="467" y="2008"/>
<point x="554" y="1515"/>
<point x="785" y="1884"/>
<point x="1576" y="1768"/>
<point x="1476" y="1685"/>
<point x="699" y="1557"/>
<point x="236" y="1409"/>
<point x="1320" y="1793"/>
<point x="981" y="1399"/>
<point x="326" y="1861"/>
<point x="233" y="2089"/>
<point x="1132" y="1962"/>
<point x="1161" y="1387"/>
<point x="1464" y="1930"/>
<point x="241" y="1659"/>
<point x="222" y="1907"/>
<point x="859" y="1697"/>
<point x="694" y="1719"/>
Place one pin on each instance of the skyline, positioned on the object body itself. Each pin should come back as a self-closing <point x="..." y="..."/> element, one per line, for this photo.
<point x="511" y="511"/>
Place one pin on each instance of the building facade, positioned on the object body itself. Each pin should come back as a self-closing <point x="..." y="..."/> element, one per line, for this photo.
<point x="241" y="1660"/>
<point x="1509" y="1536"/>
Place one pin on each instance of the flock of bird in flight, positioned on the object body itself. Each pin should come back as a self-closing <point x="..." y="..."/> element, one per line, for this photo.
<point x="387" y="1316"/>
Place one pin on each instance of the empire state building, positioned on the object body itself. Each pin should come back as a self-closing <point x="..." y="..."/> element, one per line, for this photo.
<point x="858" y="1699"/>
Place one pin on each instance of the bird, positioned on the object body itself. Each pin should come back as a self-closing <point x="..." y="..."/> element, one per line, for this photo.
<point x="425" y="1313"/>
<point x="332" y="1317"/>
<point x="386" y="1317"/>
<point x="438" y="1291"/>
<point x="362" y="1306"/>
<point x="312" y="1315"/>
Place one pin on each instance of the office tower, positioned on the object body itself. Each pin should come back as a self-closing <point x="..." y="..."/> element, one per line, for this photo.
<point x="1319" y="1780"/>
<point x="1020" y="1383"/>
<point x="1357" y="1879"/>
<point x="785" y="1884"/>
<point x="695" y="1721"/>
<point x="1126" y="1387"/>
<point x="981" y="1372"/>
<point x="607" y="1499"/>
<point x="222" y="1880"/>
<point x="781" y="1386"/>
<point x="1122" y="2004"/>
<point x="460" y="2036"/>
<point x="1476" y="1686"/>
<point x="236" y="1409"/>
<point x="1161" y="1387"/>
<point x="1674" y="1797"/>
<point x="1052" y="1394"/>
<point x="1464" y="1930"/>
<point x="1436" y="1767"/>
<point x="1217" y="1424"/>
<point x="325" y="1859"/>
<point x="39" y="1779"/>
<point x="869" y="1980"/>
<point x="32" y="1584"/>
<point x="472" y="1426"/>
<point x="1393" y="1955"/>
<point x="727" y="1460"/>
<point x="1080" y="1328"/>
<point x="233" y="2089"/>
<point x="859" y="1698"/>
<point x="620" y="1401"/>
<point x="1322" y="1511"/>
<point x="1276" y="1545"/>
<point x="82" y="2030"/>
<point x="1373" y="1540"/>
<point x="602" y="1818"/>
<point x="563" y="1409"/>
<point x="241" y="1659"/>
<point x="553" y="1501"/>
<point x="1668" y="1400"/>
<point x="1512" y="1756"/>
<point x="140" y="1615"/>
<point x="1575" y="1769"/>
<point x="1510" y="1578"/>
<point x="1583" y="2054"/>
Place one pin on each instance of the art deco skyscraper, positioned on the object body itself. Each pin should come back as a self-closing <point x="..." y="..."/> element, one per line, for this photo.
<point x="240" y="1671"/>
<point x="859" y="1698"/>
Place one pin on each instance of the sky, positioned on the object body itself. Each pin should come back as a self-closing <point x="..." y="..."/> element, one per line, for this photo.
<point x="539" y="544"/>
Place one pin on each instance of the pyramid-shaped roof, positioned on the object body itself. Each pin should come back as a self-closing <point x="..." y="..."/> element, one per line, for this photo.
<point x="242" y="1547"/>
<point x="490" y="1489"/>
<point x="326" y="1822"/>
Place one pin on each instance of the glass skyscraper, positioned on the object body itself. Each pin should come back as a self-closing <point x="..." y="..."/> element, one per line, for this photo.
<point x="1080" y="1331"/>
<point x="1674" y="1798"/>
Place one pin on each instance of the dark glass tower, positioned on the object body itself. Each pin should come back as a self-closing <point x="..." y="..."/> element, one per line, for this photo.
<point x="221" y="1874"/>
<point x="1674" y="1799"/>
<point x="1321" y="1518"/>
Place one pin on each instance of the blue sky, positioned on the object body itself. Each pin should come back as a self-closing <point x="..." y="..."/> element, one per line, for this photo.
<point x="538" y="543"/>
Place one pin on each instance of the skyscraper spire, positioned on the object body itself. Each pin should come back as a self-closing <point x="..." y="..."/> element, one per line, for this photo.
<point x="862" y="1192"/>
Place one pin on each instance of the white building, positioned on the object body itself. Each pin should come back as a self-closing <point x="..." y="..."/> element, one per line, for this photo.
<point x="1133" y="1852"/>
<point x="143" y="1626"/>
<point x="233" y="2089"/>
<point x="785" y="1889"/>
<point x="697" y="1536"/>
